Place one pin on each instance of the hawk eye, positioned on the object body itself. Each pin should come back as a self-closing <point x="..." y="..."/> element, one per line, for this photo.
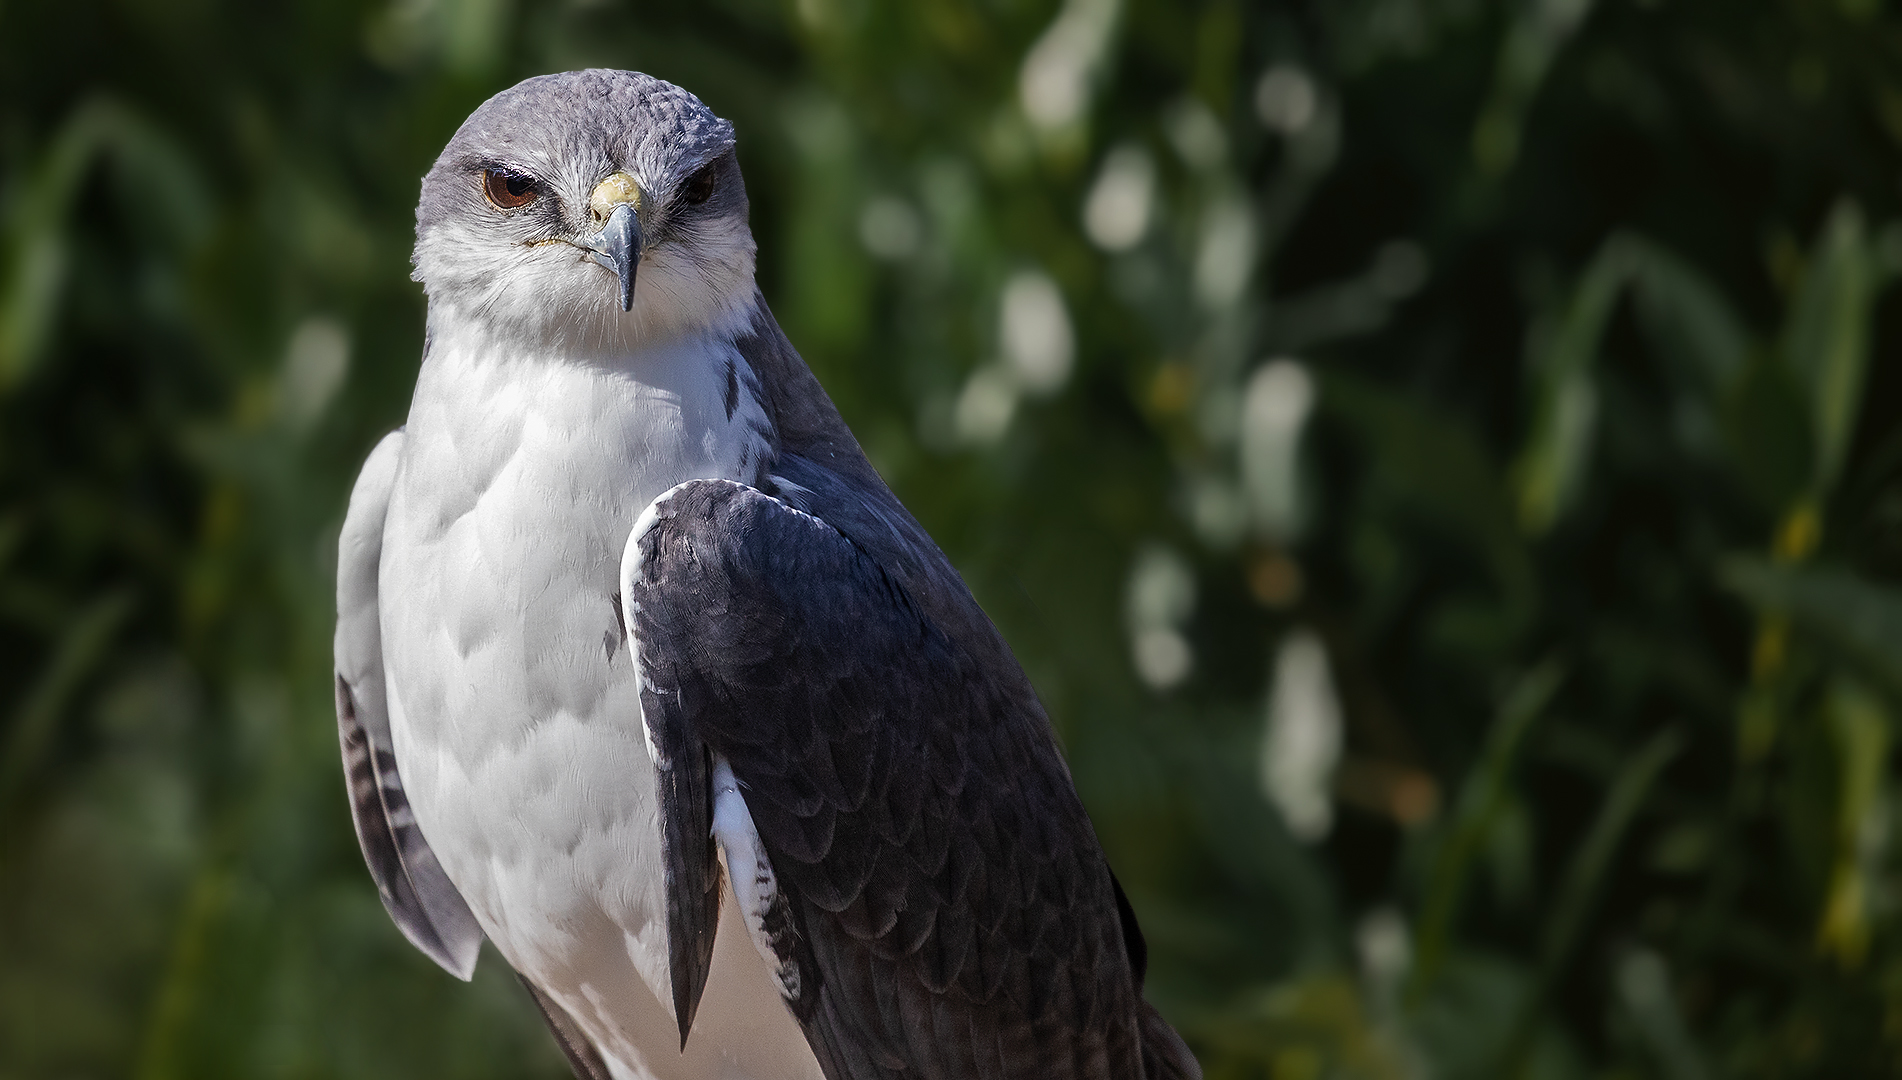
<point x="699" y="186"/>
<point x="508" y="190"/>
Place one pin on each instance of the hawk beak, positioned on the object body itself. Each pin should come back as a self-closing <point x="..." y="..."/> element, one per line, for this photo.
<point x="618" y="247"/>
<point x="616" y="201"/>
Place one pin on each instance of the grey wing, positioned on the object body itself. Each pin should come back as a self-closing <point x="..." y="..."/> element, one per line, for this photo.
<point x="947" y="912"/>
<point x="418" y="895"/>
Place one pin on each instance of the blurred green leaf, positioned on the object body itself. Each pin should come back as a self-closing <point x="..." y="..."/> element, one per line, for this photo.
<point x="1826" y="341"/>
<point x="1462" y="1024"/>
<point x="37" y="217"/>
<point x="1689" y="322"/>
<point x="1644" y="988"/>
<point x="1532" y="42"/>
<point x="1579" y="890"/>
<point x="1433" y="463"/>
<point x="1859" y="620"/>
<point x="1768" y="432"/>
<point x="1482" y="796"/>
<point x="80" y="649"/>
<point x="1315" y="1025"/>
<point x="1859" y="727"/>
<point x="1551" y="468"/>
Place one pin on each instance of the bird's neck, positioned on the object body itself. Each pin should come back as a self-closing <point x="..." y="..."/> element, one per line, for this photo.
<point x="584" y="328"/>
<point x="685" y="407"/>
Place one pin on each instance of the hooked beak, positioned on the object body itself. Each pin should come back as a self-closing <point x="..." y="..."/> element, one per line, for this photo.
<point x="618" y="247"/>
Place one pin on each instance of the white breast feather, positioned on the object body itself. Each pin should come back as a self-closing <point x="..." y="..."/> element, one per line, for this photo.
<point x="516" y="736"/>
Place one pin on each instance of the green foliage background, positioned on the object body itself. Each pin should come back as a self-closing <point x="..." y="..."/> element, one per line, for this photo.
<point x="1597" y="515"/>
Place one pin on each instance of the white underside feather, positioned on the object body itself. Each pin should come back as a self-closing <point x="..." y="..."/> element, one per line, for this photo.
<point x="519" y="741"/>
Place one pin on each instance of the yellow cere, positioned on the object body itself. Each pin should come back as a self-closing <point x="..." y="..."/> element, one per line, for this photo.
<point x="614" y="191"/>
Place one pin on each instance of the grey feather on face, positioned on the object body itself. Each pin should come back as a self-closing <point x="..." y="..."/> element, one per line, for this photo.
<point x="521" y="273"/>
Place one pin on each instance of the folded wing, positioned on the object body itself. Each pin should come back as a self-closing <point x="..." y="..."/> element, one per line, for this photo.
<point x="951" y="913"/>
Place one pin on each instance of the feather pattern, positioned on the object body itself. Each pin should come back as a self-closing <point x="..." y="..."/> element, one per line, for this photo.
<point x="957" y="917"/>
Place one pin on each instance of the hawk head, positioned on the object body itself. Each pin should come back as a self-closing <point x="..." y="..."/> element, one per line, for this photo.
<point x="589" y="211"/>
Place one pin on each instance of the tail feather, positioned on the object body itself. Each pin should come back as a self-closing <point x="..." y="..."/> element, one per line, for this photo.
<point x="1165" y="1055"/>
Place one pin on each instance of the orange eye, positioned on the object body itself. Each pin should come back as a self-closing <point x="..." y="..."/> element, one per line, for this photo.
<point x="508" y="190"/>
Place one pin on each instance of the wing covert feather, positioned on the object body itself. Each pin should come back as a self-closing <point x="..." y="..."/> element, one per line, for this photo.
<point x="951" y="900"/>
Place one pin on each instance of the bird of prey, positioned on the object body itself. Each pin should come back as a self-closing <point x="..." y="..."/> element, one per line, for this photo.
<point x="645" y="675"/>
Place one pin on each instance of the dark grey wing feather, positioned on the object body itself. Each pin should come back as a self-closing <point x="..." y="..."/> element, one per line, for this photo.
<point x="691" y="861"/>
<point x="418" y="895"/>
<point x="583" y="1059"/>
<point x="955" y="915"/>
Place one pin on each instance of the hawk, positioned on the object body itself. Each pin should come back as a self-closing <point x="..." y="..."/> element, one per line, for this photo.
<point x="643" y="674"/>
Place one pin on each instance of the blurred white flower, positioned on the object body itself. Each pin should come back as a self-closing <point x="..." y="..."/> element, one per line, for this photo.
<point x="315" y="363"/>
<point x="1054" y="84"/>
<point x="1039" y="348"/>
<point x="1160" y="600"/>
<point x="1385" y="948"/>
<point x="1400" y="268"/>
<point x="985" y="407"/>
<point x="1285" y="99"/>
<point x="1034" y="331"/>
<point x="890" y="229"/>
<point x="1226" y="255"/>
<point x="1161" y="588"/>
<point x="1218" y="511"/>
<point x="1303" y="742"/>
<point x="1116" y="213"/>
<point x="1196" y="134"/>
<point x="1275" y="409"/>
<point x="1162" y="656"/>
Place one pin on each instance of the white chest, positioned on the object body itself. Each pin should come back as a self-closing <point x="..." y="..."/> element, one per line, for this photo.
<point x="513" y="705"/>
<point x="519" y="481"/>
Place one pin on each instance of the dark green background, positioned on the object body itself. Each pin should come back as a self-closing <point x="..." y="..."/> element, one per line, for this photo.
<point x="1602" y="497"/>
